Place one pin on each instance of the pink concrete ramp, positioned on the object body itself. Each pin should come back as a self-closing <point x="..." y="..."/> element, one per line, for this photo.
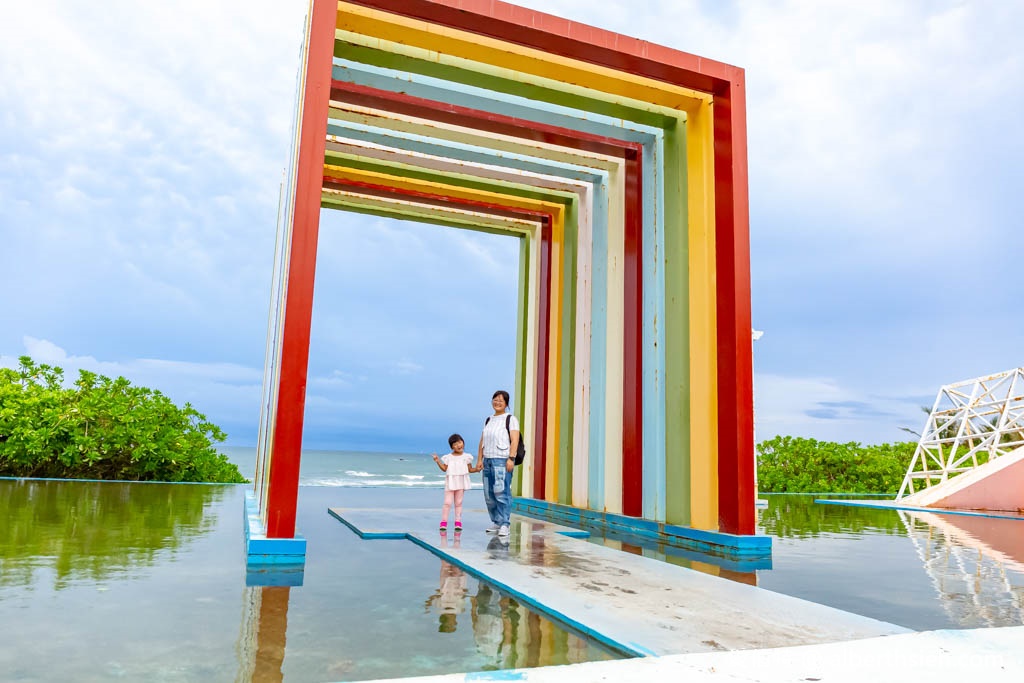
<point x="996" y="485"/>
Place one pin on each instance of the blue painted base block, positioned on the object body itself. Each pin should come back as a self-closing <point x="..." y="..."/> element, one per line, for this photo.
<point x="732" y="563"/>
<point x="260" y="550"/>
<point x="728" y="545"/>
<point x="275" y="574"/>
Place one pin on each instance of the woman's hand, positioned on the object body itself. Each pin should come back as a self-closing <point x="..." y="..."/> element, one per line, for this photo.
<point x="510" y="464"/>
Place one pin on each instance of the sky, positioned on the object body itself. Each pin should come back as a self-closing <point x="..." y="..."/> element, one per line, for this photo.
<point x="142" y="146"/>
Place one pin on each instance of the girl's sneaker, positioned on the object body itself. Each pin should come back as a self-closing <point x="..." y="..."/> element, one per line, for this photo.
<point x="458" y="525"/>
<point x="444" y="525"/>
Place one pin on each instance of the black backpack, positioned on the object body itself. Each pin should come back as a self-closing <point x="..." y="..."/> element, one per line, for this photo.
<point x="521" y="449"/>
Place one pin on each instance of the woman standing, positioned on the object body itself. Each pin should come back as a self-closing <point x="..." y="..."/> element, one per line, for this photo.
<point x="496" y="454"/>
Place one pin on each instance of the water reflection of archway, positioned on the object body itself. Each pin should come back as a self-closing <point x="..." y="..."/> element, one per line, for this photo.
<point x="976" y="565"/>
<point x="261" y="643"/>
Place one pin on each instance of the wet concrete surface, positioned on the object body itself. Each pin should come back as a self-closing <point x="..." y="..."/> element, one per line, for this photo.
<point x="637" y="604"/>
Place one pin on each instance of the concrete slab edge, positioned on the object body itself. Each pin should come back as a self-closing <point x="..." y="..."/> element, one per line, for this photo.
<point x="716" y="542"/>
<point x="890" y="505"/>
<point x="368" y="535"/>
<point x="260" y="550"/>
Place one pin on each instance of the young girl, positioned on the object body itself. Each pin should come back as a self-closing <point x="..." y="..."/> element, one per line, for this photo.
<point x="457" y="465"/>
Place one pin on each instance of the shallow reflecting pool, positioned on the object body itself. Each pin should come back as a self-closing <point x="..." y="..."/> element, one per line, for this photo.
<point x="919" y="570"/>
<point x="103" y="581"/>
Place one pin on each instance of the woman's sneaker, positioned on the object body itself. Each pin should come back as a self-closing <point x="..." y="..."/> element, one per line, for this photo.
<point x="492" y="529"/>
<point x="503" y="531"/>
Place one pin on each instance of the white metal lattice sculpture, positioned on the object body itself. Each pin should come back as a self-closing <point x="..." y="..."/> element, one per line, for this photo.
<point x="971" y="423"/>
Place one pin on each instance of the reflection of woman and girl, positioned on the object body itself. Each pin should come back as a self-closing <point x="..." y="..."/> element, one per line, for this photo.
<point x="449" y="599"/>
<point x="488" y="608"/>
<point x="507" y="634"/>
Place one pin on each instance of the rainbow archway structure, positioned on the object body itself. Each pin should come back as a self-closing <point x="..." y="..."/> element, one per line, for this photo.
<point x="621" y="165"/>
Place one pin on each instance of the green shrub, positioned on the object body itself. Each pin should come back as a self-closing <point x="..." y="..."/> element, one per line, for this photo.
<point x="788" y="464"/>
<point x="102" y="428"/>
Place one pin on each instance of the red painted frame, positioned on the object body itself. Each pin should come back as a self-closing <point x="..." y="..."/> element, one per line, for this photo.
<point x="631" y="153"/>
<point x="726" y="83"/>
<point x="283" y="477"/>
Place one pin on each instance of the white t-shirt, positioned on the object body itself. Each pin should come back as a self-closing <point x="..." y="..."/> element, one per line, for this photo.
<point x="496" y="441"/>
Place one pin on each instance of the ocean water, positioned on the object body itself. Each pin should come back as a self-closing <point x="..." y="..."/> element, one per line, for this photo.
<point x="353" y="468"/>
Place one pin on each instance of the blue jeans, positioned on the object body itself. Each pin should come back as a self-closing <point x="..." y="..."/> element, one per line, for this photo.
<point x="498" y="491"/>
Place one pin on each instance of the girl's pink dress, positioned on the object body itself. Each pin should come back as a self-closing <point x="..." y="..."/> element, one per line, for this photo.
<point x="457" y="478"/>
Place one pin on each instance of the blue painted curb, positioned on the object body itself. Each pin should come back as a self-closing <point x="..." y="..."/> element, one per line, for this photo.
<point x="260" y="550"/>
<point x="368" y="535"/>
<point x="732" y="564"/>
<point x="918" y="508"/>
<point x="728" y="545"/>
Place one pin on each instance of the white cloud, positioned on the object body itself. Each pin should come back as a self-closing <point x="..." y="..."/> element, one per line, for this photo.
<point x="226" y="392"/>
<point x="861" y="107"/>
<point x="827" y="408"/>
<point x="44" y="351"/>
<point x="337" y="380"/>
<point x="406" y="367"/>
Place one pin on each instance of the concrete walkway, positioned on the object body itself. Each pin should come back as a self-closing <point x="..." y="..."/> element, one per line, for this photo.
<point x="633" y="603"/>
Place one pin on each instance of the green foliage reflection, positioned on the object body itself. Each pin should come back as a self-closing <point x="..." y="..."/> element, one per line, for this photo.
<point x="93" y="530"/>
<point x="795" y="516"/>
